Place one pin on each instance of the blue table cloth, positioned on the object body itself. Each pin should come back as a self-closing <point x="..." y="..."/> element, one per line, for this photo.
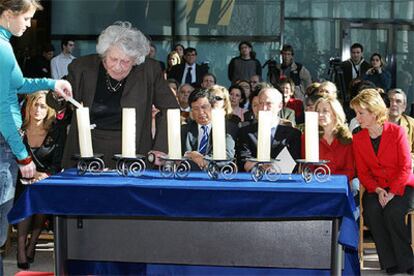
<point x="197" y="196"/>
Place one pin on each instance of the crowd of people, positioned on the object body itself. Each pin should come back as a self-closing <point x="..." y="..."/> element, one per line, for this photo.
<point x="365" y="135"/>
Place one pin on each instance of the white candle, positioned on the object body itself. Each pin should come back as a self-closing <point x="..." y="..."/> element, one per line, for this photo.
<point x="174" y="134"/>
<point x="264" y="135"/>
<point x="219" y="134"/>
<point x="128" y="132"/>
<point x="84" y="132"/>
<point x="312" y="136"/>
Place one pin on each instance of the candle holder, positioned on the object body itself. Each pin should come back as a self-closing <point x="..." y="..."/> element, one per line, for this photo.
<point x="134" y="166"/>
<point x="225" y="168"/>
<point x="314" y="169"/>
<point x="268" y="169"/>
<point x="93" y="164"/>
<point x="176" y="168"/>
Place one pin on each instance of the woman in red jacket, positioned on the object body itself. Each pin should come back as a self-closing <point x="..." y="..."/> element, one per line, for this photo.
<point x="335" y="142"/>
<point x="383" y="165"/>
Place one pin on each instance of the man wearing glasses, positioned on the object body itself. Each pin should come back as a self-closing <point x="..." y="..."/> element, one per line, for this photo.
<point x="196" y="136"/>
<point x="59" y="64"/>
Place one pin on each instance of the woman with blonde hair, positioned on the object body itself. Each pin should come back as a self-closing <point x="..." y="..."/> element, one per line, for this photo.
<point x="328" y="88"/>
<point x="384" y="168"/>
<point x="335" y="142"/>
<point x="173" y="58"/>
<point x="44" y="138"/>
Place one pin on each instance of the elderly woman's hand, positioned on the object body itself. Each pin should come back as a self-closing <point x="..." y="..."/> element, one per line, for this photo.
<point x="63" y="88"/>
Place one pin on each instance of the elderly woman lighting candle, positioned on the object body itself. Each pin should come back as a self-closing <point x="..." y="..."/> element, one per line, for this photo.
<point x="383" y="163"/>
<point x="119" y="76"/>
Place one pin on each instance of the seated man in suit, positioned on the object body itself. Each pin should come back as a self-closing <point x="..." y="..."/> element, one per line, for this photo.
<point x="270" y="99"/>
<point x="196" y="136"/>
<point x="189" y="72"/>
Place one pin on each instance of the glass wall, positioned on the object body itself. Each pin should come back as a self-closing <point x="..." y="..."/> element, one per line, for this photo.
<point x="405" y="63"/>
<point x="315" y="28"/>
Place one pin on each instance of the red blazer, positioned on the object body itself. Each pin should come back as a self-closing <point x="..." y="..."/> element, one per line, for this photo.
<point x="391" y="168"/>
<point x="340" y="156"/>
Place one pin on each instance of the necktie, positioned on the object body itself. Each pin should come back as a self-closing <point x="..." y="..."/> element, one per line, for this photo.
<point x="188" y="78"/>
<point x="204" y="141"/>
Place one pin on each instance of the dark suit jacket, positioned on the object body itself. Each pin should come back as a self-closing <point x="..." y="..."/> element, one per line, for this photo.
<point x="144" y="87"/>
<point x="391" y="167"/>
<point x="284" y="136"/>
<point x="189" y="141"/>
<point x="347" y="71"/>
<point x="177" y="72"/>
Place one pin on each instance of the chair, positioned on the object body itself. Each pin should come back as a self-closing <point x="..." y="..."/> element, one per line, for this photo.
<point x="371" y="245"/>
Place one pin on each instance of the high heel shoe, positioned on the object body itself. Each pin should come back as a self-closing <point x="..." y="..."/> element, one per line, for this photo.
<point x="31" y="259"/>
<point x="24" y="266"/>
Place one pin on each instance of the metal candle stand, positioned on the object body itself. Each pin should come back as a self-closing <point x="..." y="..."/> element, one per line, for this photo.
<point x="93" y="164"/>
<point x="314" y="169"/>
<point x="261" y="169"/>
<point x="226" y="168"/>
<point x="176" y="168"/>
<point x="134" y="166"/>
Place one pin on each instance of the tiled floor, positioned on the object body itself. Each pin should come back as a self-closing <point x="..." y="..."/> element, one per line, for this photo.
<point x="44" y="262"/>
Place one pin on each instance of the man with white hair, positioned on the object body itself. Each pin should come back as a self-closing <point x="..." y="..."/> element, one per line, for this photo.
<point x="270" y="99"/>
<point x="398" y="104"/>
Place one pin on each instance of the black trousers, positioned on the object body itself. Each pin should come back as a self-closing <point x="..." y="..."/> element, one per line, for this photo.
<point x="389" y="231"/>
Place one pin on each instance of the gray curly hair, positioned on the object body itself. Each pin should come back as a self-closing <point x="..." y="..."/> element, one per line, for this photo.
<point x="129" y="39"/>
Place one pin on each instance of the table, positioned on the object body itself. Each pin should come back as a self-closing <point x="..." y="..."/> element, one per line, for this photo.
<point x="194" y="199"/>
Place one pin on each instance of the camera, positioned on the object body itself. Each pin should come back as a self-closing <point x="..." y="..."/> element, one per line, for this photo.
<point x="335" y="61"/>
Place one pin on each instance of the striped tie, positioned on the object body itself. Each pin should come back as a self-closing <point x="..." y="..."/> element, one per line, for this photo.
<point x="204" y="141"/>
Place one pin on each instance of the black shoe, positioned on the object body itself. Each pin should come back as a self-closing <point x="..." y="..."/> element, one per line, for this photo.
<point x="30" y="260"/>
<point x="410" y="271"/>
<point x="392" y="270"/>
<point x="23" y="266"/>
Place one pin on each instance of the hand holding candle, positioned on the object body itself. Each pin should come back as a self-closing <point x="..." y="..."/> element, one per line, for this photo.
<point x="219" y="134"/>
<point x="84" y="132"/>
<point x="174" y="134"/>
<point x="128" y="132"/>
<point x="312" y="136"/>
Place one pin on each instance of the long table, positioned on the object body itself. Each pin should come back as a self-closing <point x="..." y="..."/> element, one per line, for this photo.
<point x="150" y="224"/>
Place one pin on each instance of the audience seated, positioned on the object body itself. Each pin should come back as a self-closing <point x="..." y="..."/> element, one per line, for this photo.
<point x="270" y="99"/>
<point x="384" y="168"/>
<point x="196" y="136"/>
<point x="335" y="142"/>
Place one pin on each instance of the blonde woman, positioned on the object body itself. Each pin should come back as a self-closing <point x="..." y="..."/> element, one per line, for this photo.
<point x="383" y="164"/>
<point x="335" y="142"/>
<point x="44" y="139"/>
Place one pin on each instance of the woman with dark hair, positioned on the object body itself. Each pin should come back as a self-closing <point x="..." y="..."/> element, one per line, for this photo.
<point x="383" y="163"/>
<point x="15" y="18"/>
<point x="179" y="48"/>
<point x="377" y="73"/>
<point x="245" y="65"/>
<point x="237" y="100"/>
